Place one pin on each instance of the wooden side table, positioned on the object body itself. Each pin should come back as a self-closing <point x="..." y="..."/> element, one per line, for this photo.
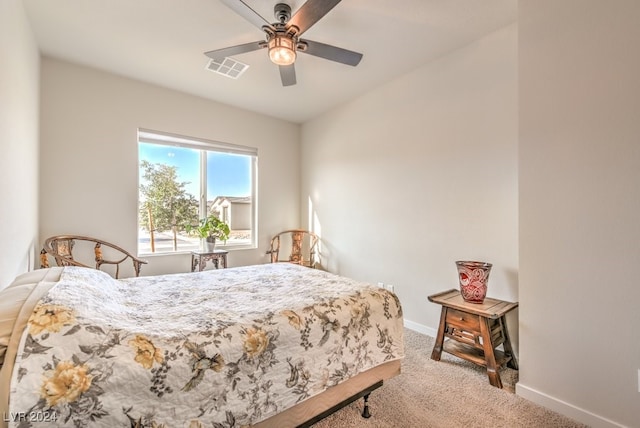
<point x="473" y="331"/>
<point x="199" y="259"/>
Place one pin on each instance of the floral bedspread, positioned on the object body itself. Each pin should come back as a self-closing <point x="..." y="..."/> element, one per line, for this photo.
<point x="220" y="348"/>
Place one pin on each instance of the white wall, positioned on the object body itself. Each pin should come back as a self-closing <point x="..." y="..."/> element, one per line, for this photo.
<point x="579" y="163"/>
<point x="19" y="81"/>
<point x="90" y="166"/>
<point x="422" y="172"/>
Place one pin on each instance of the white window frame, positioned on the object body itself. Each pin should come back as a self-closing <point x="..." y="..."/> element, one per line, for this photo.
<point x="175" y="140"/>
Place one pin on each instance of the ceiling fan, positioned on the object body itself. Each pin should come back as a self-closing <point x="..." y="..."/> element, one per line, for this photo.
<point x="283" y="37"/>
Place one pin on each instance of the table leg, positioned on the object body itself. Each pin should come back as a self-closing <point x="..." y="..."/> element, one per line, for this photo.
<point x="489" y="356"/>
<point x="508" y="349"/>
<point x="437" y="348"/>
<point x="216" y="262"/>
<point x="193" y="263"/>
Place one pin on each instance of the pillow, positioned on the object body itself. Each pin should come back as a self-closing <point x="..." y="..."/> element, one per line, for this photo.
<point x="12" y="298"/>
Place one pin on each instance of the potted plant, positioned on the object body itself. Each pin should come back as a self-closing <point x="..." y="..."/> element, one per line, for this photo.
<point x="209" y="229"/>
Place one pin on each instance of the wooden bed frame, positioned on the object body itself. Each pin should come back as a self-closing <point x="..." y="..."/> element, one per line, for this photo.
<point x="316" y="408"/>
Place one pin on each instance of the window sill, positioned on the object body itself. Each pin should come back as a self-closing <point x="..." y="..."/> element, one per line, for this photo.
<point x="229" y="248"/>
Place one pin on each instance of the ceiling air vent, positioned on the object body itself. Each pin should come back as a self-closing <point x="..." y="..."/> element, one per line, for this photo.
<point x="227" y="67"/>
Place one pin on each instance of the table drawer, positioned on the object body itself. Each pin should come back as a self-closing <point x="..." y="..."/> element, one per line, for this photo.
<point x="463" y="320"/>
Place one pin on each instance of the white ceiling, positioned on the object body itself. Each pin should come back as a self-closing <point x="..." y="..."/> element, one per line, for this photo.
<point x="163" y="42"/>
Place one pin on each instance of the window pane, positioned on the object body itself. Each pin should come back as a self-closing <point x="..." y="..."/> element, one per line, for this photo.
<point x="169" y="185"/>
<point x="229" y="193"/>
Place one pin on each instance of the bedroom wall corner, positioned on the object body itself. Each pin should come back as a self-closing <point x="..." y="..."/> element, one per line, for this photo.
<point x="420" y="172"/>
<point x="19" y="111"/>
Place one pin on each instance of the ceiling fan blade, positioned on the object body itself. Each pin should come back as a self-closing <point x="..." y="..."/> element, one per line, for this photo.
<point x="310" y="13"/>
<point x="287" y="75"/>
<point x="247" y="12"/>
<point x="235" y="50"/>
<point x="331" y="53"/>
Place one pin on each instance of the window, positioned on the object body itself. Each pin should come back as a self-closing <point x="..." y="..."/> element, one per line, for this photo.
<point x="185" y="179"/>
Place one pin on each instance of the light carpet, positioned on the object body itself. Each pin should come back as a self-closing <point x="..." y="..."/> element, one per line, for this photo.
<point x="446" y="394"/>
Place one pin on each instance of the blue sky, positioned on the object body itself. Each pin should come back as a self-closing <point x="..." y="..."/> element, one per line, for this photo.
<point x="227" y="174"/>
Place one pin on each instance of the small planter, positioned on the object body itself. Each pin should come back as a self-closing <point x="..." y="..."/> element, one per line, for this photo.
<point x="208" y="229"/>
<point x="208" y="244"/>
<point x="473" y="277"/>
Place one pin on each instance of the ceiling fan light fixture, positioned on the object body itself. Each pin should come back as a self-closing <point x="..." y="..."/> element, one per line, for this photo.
<point x="282" y="50"/>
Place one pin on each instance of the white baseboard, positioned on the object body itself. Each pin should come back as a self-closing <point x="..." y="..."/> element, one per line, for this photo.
<point x="420" y="328"/>
<point x="566" y="409"/>
<point x="537" y="397"/>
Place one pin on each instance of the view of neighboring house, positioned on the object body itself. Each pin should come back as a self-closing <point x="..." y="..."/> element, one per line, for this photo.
<point x="233" y="210"/>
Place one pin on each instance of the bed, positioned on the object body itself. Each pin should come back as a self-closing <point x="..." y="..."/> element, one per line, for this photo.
<point x="265" y="345"/>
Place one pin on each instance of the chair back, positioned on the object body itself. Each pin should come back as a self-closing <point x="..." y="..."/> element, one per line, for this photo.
<point x="76" y="250"/>
<point x="294" y="246"/>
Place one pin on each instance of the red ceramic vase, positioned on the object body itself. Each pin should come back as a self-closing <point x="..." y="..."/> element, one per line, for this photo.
<point x="473" y="278"/>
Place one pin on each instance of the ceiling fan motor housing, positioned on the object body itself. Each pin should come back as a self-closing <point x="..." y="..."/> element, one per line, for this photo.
<point x="282" y="12"/>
